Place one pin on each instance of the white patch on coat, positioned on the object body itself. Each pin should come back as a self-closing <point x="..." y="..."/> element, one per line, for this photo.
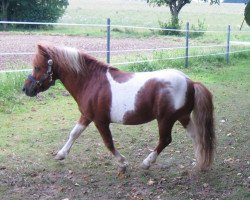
<point x="124" y="94"/>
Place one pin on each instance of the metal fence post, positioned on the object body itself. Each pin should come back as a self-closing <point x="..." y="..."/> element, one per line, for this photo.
<point x="108" y="40"/>
<point x="228" y="43"/>
<point x="187" y="35"/>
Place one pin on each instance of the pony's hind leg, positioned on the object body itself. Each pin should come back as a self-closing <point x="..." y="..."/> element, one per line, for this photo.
<point x="191" y="129"/>
<point x="74" y="134"/>
<point x="189" y="125"/>
<point x="105" y="132"/>
<point x="165" y="128"/>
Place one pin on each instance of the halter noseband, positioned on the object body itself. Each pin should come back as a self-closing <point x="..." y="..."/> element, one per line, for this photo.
<point x="47" y="75"/>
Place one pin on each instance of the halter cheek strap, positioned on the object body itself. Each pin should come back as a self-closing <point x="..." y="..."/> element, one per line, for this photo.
<point x="46" y="76"/>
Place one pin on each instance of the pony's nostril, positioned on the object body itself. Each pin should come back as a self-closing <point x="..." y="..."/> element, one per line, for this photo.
<point x="23" y="89"/>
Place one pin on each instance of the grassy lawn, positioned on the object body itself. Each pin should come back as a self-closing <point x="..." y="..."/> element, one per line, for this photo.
<point x="139" y="13"/>
<point x="34" y="129"/>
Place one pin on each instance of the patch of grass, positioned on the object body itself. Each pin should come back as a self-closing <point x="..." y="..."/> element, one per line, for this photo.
<point x="162" y="60"/>
<point x="11" y="86"/>
<point x="172" y="24"/>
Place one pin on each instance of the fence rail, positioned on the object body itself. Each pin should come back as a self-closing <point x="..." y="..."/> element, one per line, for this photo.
<point x="108" y="50"/>
<point x="119" y="26"/>
<point x="127" y="50"/>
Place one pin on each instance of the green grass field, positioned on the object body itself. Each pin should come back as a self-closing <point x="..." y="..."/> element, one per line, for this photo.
<point x="139" y="13"/>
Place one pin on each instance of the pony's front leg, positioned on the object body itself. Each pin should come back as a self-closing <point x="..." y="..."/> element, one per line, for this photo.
<point x="74" y="134"/>
<point x="104" y="130"/>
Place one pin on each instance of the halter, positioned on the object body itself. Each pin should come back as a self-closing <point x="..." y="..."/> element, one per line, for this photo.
<point x="47" y="75"/>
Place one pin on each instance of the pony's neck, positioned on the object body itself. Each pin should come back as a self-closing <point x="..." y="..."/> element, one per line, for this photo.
<point x="77" y="81"/>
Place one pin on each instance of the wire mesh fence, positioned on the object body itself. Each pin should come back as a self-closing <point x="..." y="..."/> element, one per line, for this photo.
<point x="112" y="52"/>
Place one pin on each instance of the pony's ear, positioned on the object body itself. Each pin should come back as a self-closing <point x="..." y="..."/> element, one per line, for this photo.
<point x="43" y="49"/>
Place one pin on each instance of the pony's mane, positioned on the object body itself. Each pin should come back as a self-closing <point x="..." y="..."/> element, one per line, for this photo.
<point x="73" y="60"/>
<point x="70" y="58"/>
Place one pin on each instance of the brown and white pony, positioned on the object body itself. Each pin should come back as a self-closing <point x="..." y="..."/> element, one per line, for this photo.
<point x="107" y="95"/>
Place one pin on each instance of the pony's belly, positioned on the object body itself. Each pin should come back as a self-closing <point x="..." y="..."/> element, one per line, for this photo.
<point x="135" y="119"/>
<point x="118" y="111"/>
<point x="126" y="112"/>
<point x="132" y="118"/>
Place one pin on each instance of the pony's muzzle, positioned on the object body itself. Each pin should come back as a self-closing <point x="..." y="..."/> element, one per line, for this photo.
<point x="29" y="90"/>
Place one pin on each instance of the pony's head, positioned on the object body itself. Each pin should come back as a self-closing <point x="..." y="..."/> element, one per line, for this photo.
<point x="42" y="76"/>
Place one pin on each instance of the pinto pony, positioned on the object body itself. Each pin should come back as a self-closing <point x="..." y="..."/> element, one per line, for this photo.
<point x="107" y="95"/>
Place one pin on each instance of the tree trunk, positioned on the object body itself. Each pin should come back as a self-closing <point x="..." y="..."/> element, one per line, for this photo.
<point x="5" y="5"/>
<point x="174" y="12"/>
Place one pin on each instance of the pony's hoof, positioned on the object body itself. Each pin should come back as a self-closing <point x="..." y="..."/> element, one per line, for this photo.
<point x="122" y="169"/>
<point x="144" y="166"/>
<point x="59" y="157"/>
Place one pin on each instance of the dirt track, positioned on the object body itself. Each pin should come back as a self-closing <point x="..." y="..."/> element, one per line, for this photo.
<point x="21" y="43"/>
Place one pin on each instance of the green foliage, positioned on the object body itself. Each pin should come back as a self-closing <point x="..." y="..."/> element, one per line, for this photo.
<point x="11" y="82"/>
<point x="141" y="67"/>
<point x="200" y="64"/>
<point x="35" y="11"/>
<point x="11" y="86"/>
<point x="183" y="2"/>
<point x="200" y="27"/>
<point x="172" y="24"/>
<point x="175" y="7"/>
<point x="247" y="14"/>
<point x="167" y="2"/>
<point x="175" y="24"/>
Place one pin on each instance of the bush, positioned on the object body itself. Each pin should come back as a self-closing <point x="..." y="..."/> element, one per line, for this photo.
<point x="172" y="24"/>
<point x="11" y="87"/>
<point x="34" y="11"/>
<point x="142" y="66"/>
<point x="200" y="27"/>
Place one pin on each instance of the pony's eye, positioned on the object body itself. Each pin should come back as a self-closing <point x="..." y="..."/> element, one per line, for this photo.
<point x="37" y="69"/>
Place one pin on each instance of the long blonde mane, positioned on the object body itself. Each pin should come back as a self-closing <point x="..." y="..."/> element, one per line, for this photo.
<point x="71" y="59"/>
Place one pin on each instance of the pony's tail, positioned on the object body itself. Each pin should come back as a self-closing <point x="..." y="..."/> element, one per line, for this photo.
<point x="203" y="118"/>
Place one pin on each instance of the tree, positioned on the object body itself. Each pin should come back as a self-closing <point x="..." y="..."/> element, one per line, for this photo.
<point x="175" y="6"/>
<point x="247" y="13"/>
<point x="32" y="10"/>
<point x="4" y="10"/>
